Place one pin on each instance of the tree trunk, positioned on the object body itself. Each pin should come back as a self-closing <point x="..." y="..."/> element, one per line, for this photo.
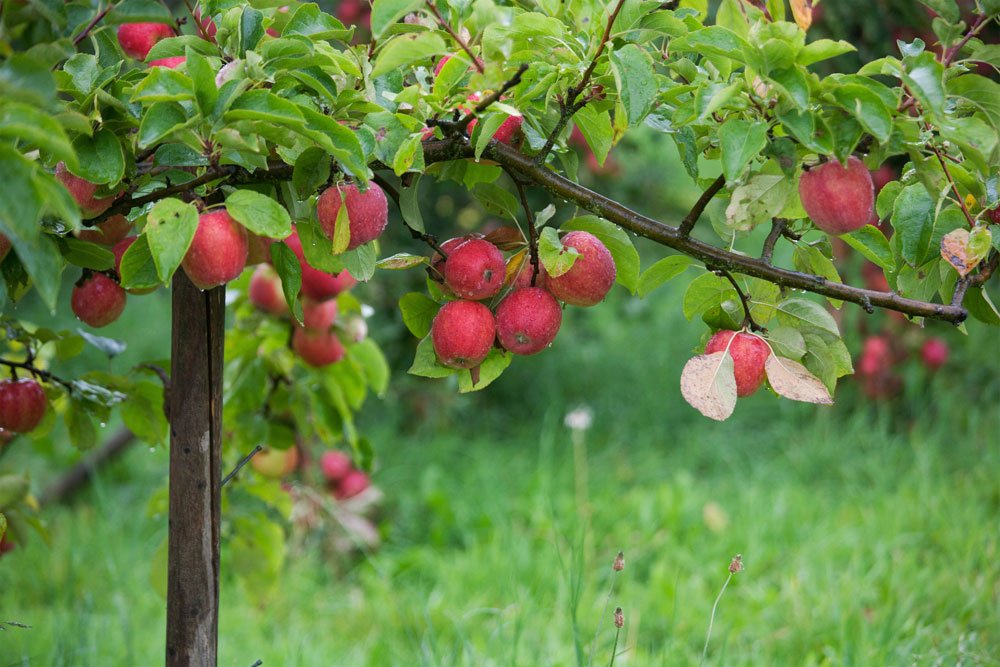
<point x="195" y="475"/>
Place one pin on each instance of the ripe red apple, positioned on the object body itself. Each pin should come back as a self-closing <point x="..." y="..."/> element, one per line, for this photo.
<point x="441" y="63"/>
<point x="994" y="215"/>
<point x="590" y="278"/>
<point x="351" y="485"/>
<point x="22" y="405"/>
<point x="749" y="353"/>
<point x="109" y="232"/>
<point x="275" y="463"/>
<point x="528" y="320"/>
<point x="170" y="63"/>
<point x="934" y="353"/>
<point x="83" y="192"/>
<point x="265" y="292"/>
<point x="207" y="25"/>
<point x="318" y="285"/>
<point x="98" y="300"/>
<point x="475" y="269"/>
<point x="335" y="465"/>
<point x="838" y="200"/>
<point x="319" y="315"/>
<point x="317" y="348"/>
<point x="367" y="211"/>
<point x="258" y="249"/>
<point x="876" y="356"/>
<point x="218" y="251"/>
<point x="462" y="333"/>
<point x="449" y="246"/>
<point x="137" y="39"/>
<point x="506" y="132"/>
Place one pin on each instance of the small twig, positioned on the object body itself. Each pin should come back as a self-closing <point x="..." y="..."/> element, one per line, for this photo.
<point x="748" y="320"/>
<point x="735" y="566"/>
<point x="779" y="228"/>
<point x="950" y="53"/>
<point x="951" y="181"/>
<point x="38" y="372"/>
<point x="429" y="239"/>
<point x="197" y="21"/>
<point x="461" y="42"/>
<point x="985" y="273"/>
<point x="532" y="232"/>
<point x="165" y="380"/>
<point x="687" y="224"/>
<point x="93" y="22"/>
<point x="13" y="624"/>
<point x="239" y="466"/>
<point x="257" y="664"/>
<point x="459" y="126"/>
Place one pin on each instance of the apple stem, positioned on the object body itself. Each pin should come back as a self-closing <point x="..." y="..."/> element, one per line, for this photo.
<point x="748" y="321"/>
<point x="532" y="232"/>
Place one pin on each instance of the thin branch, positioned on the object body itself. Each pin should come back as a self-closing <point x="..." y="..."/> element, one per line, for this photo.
<point x="687" y="224"/>
<point x="985" y="273"/>
<point x="779" y="228"/>
<point x="459" y="126"/>
<point x="570" y="105"/>
<point x="951" y="181"/>
<point x="748" y="320"/>
<point x="461" y="42"/>
<point x="532" y="232"/>
<point x="93" y="22"/>
<point x="239" y="466"/>
<point x="197" y="21"/>
<point x="38" y="372"/>
<point x="429" y="239"/>
<point x="950" y="53"/>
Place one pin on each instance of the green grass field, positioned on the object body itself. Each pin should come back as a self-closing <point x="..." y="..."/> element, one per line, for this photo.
<point x="870" y="536"/>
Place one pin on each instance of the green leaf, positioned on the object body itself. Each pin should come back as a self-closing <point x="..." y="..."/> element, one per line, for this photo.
<point x="740" y="142"/>
<point x="343" y="143"/>
<point x="811" y="130"/>
<point x="203" y="77"/>
<point x="138" y="270"/>
<point x="139" y="11"/>
<point x="259" y="213"/>
<point x="418" y="313"/>
<point x="924" y="76"/>
<point x="403" y="50"/>
<point x="317" y="248"/>
<point x="160" y="119"/>
<point x="87" y="255"/>
<point x="361" y="262"/>
<point x="596" y="129"/>
<point x="981" y="306"/>
<point x="101" y="157"/>
<point x="920" y="226"/>
<point x="705" y="292"/>
<point x="374" y="365"/>
<point x="868" y="108"/>
<point x="662" y="271"/>
<point x="110" y="347"/>
<point x="312" y="169"/>
<point x="808" y="259"/>
<point x="425" y="362"/>
<point x="787" y="342"/>
<point x="27" y="124"/>
<point x="163" y="84"/>
<point x="798" y="312"/>
<point x="409" y="205"/>
<point x="493" y="366"/>
<point x="387" y="12"/>
<point x="266" y="106"/>
<point x="635" y="80"/>
<point x="82" y="432"/>
<point x="793" y="83"/>
<point x="556" y="258"/>
<point x="758" y="200"/>
<point x="310" y="21"/>
<point x="13" y="488"/>
<point x="980" y="93"/>
<point x="401" y="260"/>
<point x="143" y="413"/>
<point x="872" y="244"/>
<point x="25" y="79"/>
<point x="251" y="30"/>
<point x="617" y="242"/>
<point x="822" y="49"/>
<point x="947" y="9"/>
<point x="170" y="227"/>
<point x="290" y="271"/>
<point x="341" y="230"/>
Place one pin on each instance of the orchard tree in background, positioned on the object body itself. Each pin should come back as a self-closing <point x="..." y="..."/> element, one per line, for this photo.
<point x="148" y="146"/>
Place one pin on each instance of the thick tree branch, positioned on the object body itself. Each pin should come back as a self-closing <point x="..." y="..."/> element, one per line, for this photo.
<point x="671" y="237"/>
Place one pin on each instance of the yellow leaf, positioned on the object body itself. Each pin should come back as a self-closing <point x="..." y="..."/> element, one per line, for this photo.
<point x="802" y="10"/>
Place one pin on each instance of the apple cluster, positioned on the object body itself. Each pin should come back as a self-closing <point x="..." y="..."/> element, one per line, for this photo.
<point x="341" y="478"/>
<point x="527" y="314"/>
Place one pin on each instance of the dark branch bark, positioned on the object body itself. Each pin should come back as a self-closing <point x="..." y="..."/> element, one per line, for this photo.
<point x="239" y="466"/>
<point x="687" y="224"/>
<point x="71" y="481"/>
<point x="532" y="232"/>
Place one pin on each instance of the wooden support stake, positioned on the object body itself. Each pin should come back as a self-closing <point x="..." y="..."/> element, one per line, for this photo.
<point x="195" y="474"/>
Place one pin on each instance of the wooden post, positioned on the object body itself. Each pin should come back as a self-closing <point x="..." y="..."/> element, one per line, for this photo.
<point x="195" y="475"/>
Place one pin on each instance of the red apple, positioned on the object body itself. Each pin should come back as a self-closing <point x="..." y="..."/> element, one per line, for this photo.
<point x="137" y="39"/>
<point x="318" y="285"/>
<point x="590" y="278"/>
<point x="934" y="353"/>
<point x="876" y="356"/>
<point x="109" y="232"/>
<point x="525" y="272"/>
<point x="749" y="352"/>
<point x="98" y="300"/>
<point x="462" y="333"/>
<point x="169" y="63"/>
<point x="218" y="252"/>
<point x="22" y="405"/>
<point x="265" y="291"/>
<point x="353" y="483"/>
<point x="317" y="348"/>
<point x="319" y="315"/>
<point x="528" y="320"/>
<point x="335" y="465"/>
<point x="83" y="192"/>
<point x="475" y="269"/>
<point x="367" y="212"/>
<point x="258" y="249"/>
<point x="4" y="247"/>
<point x="838" y="200"/>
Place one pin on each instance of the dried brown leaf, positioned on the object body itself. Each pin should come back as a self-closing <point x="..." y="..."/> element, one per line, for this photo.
<point x="794" y="381"/>
<point x="708" y="384"/>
